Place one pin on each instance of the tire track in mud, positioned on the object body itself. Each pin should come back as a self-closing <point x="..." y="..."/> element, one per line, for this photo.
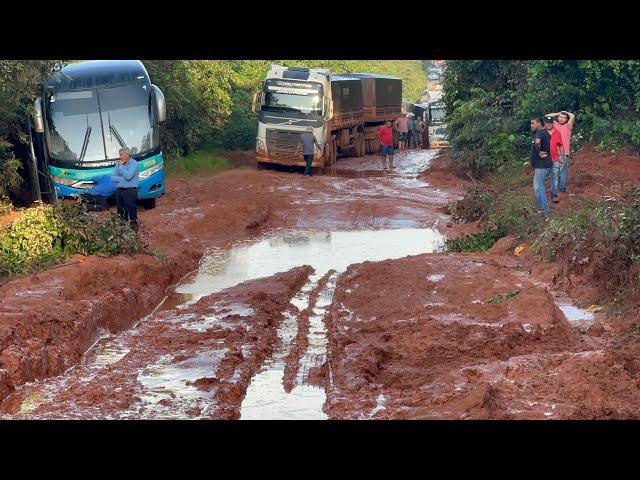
<point x="290" y="384"/>
<point x="301" y="341"/>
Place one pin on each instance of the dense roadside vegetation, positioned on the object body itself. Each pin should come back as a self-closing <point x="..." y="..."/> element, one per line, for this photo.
<point x="490" y="102"/>
<point x="489" y="105"/>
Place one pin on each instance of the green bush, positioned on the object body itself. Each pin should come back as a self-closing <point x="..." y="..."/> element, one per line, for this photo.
<point x="517" y="214"/>
<point x="475" y="242"/>
<point x="46" y="234"/>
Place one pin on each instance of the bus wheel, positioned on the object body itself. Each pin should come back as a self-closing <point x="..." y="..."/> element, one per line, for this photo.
<point x="149" y="203"/>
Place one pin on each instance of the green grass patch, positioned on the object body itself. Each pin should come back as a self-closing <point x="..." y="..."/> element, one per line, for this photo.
<point x="205" y="162"/>
<point x="475" y="242"/>
<point x="506" y="296"/>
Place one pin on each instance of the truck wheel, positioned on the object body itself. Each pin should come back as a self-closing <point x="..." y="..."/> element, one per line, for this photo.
<point x="149" y="203"/>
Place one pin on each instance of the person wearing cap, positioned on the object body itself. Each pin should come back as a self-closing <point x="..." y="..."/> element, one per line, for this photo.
<point x="564" y="124"/>
<point x="307" y="141"/>
<point x="541" y="163"/>
<point x="556" y="152"/>
<point x="125" y="176"/>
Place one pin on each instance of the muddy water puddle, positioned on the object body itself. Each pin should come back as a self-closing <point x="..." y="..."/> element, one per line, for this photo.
<point x="266" y="397"/>
<point x="324" y="251"/>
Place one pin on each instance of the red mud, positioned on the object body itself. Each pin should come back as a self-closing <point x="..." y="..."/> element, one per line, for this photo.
<point x="426" y="348"/>
<point x="47" y="320"/>
<point x="301" y="342"/>
<point x="241" y="343"/>
<point x="403" y="342"/>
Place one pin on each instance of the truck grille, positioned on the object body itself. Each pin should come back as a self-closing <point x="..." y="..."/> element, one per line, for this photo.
<point x="282" y="143"/>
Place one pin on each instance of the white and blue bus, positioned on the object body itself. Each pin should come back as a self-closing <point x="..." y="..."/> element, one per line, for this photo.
<point x="87" y="112"/>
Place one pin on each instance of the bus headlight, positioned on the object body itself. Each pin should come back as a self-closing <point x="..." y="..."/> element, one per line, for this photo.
<point x="260" y="146"/>
<point x="150" y="171"/>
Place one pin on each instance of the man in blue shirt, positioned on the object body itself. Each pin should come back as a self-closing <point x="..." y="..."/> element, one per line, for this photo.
<point x="125" y="177"/>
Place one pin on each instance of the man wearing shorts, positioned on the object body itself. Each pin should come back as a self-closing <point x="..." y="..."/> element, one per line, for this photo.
<point x="402" y="126"/>
<point x="385" y="134"/>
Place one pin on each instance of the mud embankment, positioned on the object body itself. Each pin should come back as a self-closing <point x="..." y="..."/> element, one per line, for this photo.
<point x="452" y="336"/>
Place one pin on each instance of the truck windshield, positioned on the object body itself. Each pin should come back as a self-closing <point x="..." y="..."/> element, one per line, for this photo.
<point x="437" y="114"/>
<point x="76" y="131"/>
<point x="309" y="104"/>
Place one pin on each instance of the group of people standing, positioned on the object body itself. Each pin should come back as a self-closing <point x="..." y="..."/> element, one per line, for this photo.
<point x="410" y="129"/>
<point x="550" y="154"/>
<point x="412" y="132"/>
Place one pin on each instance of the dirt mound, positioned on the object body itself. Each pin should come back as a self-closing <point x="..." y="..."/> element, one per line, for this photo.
<point x="461" y="336"/>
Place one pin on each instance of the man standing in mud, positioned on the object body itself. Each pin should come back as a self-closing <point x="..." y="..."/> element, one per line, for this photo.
<point x="418" y="126"/>
<point x="541" y="163"/>
<point x="385" y="133"/>
<point x="307" y="140"/>
<point x="401" y="125"/>
<point x="125" y="177"/>
<point x="556" y="151"/>
<point x="564" y="125"/>
<point x="410" y="132"/>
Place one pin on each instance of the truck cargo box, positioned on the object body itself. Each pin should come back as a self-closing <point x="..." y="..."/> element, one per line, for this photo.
<point x="347" y="101"/>
<point x="381" y="96"/>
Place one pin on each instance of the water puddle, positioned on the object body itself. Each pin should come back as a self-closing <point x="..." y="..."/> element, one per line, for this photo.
<point x="324" y="251"/>
<point x="170" y="392"/>
<point x="106" y="351"/>
<point x="575" y="314"/>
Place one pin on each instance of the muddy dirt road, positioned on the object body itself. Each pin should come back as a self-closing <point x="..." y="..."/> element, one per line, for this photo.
<point x="314" y="298"/>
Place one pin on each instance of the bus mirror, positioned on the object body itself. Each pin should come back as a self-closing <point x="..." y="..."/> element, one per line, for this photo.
<point x="38" y="121"/>
<point x="329" y="108"/>
<point x="161" y="105"/>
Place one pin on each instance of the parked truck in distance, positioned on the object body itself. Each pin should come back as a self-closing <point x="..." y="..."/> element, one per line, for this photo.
<point x="344" y="111"/>
<point x="437" y="127"/>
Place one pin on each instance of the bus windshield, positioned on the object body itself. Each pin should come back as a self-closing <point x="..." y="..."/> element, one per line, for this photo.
<point x="309" y="104"/>
<point x="127" y="117"/>
<point x="92" y="125"/>
<point x="74" y="131"/>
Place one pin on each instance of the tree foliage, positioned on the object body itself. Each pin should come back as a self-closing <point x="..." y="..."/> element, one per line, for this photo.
<point x="604" y="94"/>
<point x="19" y="82"/>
